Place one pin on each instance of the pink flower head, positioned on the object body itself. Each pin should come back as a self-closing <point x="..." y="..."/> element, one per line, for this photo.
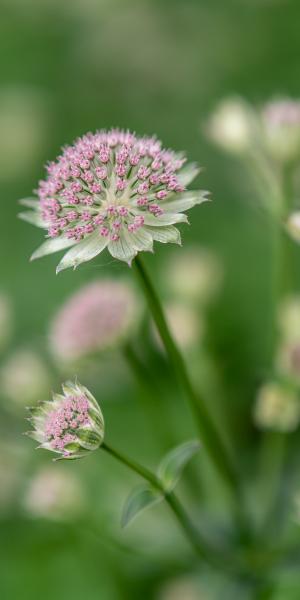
<point x="109" y="173"/>
<point x="71" y="424"/>
<point x="99" y="316"/>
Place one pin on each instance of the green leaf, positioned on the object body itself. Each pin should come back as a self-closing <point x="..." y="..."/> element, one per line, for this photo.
<point x="83" y="251"/>
<point x="172" y="465"/>
<point x="89" y="439"/>
<point x="140" y="498"/>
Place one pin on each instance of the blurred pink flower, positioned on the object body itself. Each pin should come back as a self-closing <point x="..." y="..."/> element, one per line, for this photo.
<point x="97" y="317"/>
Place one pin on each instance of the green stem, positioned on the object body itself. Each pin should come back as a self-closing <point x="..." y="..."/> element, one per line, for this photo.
<point x="273" y="452"/>
<point x="200" y="545"/>
<point x="209" y="435"/>
<point x="149" y="397"/>
<point x="274" y="444"/>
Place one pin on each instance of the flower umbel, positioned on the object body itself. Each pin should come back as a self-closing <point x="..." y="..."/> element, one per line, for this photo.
<point x="71" y="425"/>
<point x="112" y="189"/>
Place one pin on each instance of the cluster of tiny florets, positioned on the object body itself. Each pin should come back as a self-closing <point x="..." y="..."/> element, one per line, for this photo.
<point x="102" y="179"/>
<point x="61" y="424"/>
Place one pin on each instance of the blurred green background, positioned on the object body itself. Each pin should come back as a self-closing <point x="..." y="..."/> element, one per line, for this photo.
<point x="153" y="66"/>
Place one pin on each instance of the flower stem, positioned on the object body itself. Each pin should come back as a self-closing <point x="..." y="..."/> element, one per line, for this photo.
<point x="209" y="435"/>
<point x="151" y="398"/>
<point x="200" y="545"/>
<point x="274" y="445"/>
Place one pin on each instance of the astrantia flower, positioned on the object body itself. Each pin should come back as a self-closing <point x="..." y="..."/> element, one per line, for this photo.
<point x="96" y="318"/>
<point x="71" y="424"/>
<point x="112" y="189"/>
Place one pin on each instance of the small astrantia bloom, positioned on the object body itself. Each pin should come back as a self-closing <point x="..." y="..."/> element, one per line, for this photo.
<point x="112" y="190"/>
<point x="99" y="316"/>
<point x="70" y="425"/>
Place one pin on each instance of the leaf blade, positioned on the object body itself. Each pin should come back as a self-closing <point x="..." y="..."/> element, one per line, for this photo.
<point x="138" y="500"/>
<point x="172" y="465"/>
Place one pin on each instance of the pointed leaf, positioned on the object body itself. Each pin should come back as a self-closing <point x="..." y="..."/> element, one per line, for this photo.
<point x="30" y="202"/>
<point x="34" y="218"/>
<point x="188" y="173"/>
<point x="123" y="249"/>
<point x="165" y="234"/>
<point x="185" y="201"/>
<point x="164" y="219"/>
<point x="83" y="251"/>
<point x="89" y="439"/>
<point x="52" y="245"/>
<point x="140" y="498"/>
<point x="141" y="240"/>
<point x="172" y="465"/>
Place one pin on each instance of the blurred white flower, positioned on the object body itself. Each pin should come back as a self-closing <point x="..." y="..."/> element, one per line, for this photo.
<point x="6" y="320"/>
<point x="194" y="275"/>
<point x="289" y="318"/>
<point x="277" y="408"/>
<point x="293" y="225"/>
<point x="24" y="377"/>
<point x="100" y="316"/>
<point x="281" y="128"/>
<point x="288" y="359"/>
<point x="182" y="588"/>
<point x="23" y="124"/>
<point x="186" y="325"/>
<point x="296" y="507"/>
<point x="231" y="125"/>
<point x="54" y="494"/>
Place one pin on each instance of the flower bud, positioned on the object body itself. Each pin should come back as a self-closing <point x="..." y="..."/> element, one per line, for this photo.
<point x="277" y="408"/>
<point x="231" y="126"/>
<point x="71" y="425"/>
